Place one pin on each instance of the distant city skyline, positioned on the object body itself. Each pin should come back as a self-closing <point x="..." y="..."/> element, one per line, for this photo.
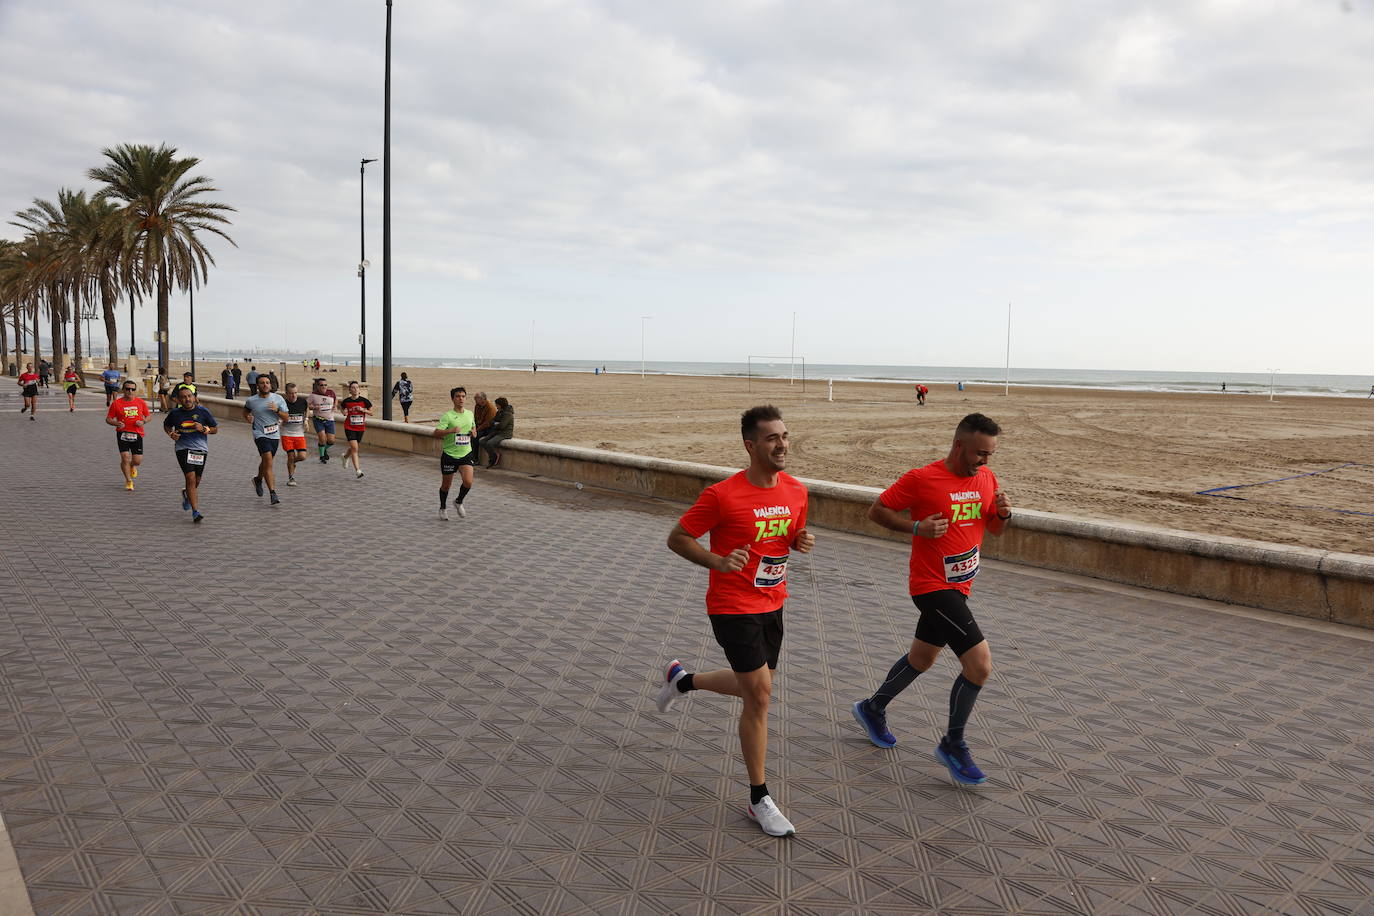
<point x="1154" y="185"/>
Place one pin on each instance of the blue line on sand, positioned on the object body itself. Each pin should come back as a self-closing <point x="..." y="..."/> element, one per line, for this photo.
<point x="1219" y="491"/>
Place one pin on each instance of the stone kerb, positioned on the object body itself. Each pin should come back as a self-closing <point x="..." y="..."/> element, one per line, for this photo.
<point x="1310" y="583"/>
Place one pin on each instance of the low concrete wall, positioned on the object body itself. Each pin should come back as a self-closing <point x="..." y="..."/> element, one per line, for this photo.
<point x="1319" y="584"/>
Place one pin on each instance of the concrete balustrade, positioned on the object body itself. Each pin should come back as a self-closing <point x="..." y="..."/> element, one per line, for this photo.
<point x="1323" y="585"/>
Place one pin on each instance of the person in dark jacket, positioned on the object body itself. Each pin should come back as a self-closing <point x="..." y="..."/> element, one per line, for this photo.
<point x="502" y="428"/>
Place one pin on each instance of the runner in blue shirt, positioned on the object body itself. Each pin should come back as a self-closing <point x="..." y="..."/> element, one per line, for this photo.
<point x="189" y="425"/>
<point x="111" y="377"/>
<point x="266" y="410"/>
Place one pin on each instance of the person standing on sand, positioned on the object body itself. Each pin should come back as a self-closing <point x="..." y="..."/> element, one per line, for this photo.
<point x="404" y="391"/>
<point x="754" y="518"/>
<point x="226" y="378"/>
<point x="953" y="501"/>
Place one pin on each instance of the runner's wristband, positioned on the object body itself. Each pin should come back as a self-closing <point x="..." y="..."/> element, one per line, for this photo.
<point x="1004" y="517"/>
<point x="916" y="529"/>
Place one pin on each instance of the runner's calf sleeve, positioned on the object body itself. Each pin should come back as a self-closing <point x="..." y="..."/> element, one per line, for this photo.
<point x="443" y="499"/>
<point x="462" y="494"/>
<point x="961" y="699"/>
<point x="899" y="678"/>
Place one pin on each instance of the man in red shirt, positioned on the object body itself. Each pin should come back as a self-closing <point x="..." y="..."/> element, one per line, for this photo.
<point x="953" y="502"/>
<point x="755" y="518"/>
<point x="28" y="380"/>
<point x="127" y="415"/>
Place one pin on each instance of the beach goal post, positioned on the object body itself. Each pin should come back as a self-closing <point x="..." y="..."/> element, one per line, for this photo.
<point x="791" y="361"/>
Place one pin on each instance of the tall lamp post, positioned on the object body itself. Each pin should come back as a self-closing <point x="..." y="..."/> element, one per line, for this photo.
<point x="362" y="267"/>
<point x="642" y="320"/>
<point x="386" y="226"/>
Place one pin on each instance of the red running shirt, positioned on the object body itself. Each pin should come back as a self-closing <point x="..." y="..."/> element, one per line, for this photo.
<point x="739" y="514"/>
<point x="127" y="411"/>
<point x="951" y="561"/>
<point x="28" y="378"/>
<point x="353" y="408"/>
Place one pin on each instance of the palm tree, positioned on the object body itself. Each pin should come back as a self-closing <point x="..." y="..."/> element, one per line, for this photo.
<point x="6" y="306"/>
<point x="59" y="273"/>
<point x="29" y="283"/>
<point x="160" y="215"/>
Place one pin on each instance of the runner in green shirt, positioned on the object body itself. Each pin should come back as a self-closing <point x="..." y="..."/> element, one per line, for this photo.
<point x="455" y="428"/>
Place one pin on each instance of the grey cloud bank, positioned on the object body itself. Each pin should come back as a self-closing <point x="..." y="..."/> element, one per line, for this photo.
<point x="1156" y="185"/>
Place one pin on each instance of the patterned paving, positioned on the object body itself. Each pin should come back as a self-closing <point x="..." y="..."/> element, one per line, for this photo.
<point x="345" y="705"/>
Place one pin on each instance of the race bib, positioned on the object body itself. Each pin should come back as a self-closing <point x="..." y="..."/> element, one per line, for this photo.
<point x="269" y="429"/>
<point x="128" y="437"/>
<point x="195" y="457"/>
<point x="356" y="419"/>
<point x="961" y="567"/>
<point x="772" y="572"/>
<point x="461" y="438"/>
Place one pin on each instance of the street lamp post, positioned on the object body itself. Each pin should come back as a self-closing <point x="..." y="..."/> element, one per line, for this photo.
<point x="131" y="324"/>
<point x="386" y="226"/>
<point x="642" y="319"/>
<point x="1272" y="373"/>
<point x="192" y="290"/>
<point x="362" y="267"/>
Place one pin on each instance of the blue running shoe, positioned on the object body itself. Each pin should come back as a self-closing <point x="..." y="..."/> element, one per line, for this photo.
<point x="960" y="762"/>
<point x="197" y="517"/>
<point x="874" y="723"/>
<point x="185" y="502"/>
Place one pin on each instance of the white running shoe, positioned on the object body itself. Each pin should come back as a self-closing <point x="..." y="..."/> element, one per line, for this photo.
<point x="668" y="694"/>
<point x="770" y="818"/>
<point x="462" y="513"/>
<point x="360" y="476"/>
<point x="443" y="515"/>
<point x="291" y="481"/>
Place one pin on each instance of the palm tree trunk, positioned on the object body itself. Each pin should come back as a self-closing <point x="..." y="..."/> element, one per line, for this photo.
<point x="163" y="343"/>
<point x="57" y="318"/>
<point x="108" y="300"/>
<point x="4" y="344"/>
<point x="37" y="344"/>
<point x="76" y="345"/>
<point x="18" y="341"/>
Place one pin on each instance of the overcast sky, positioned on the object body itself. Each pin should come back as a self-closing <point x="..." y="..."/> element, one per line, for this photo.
<point x="1154" y="185"/>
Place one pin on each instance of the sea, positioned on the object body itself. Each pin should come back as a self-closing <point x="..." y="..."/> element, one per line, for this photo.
<point x="1283" y="383"/>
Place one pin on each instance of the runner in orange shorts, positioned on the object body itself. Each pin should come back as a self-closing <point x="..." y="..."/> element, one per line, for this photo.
<point x="293" y="432"/>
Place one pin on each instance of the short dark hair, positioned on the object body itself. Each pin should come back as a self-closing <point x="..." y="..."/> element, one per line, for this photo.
<point x="453" y="391"/>
<point x="749" y="421"/>
<point x="977" y="423"/>
<point x="502" y="402"/>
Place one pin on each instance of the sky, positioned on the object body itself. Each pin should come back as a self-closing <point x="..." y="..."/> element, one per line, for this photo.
<point x="1161" y="185"/>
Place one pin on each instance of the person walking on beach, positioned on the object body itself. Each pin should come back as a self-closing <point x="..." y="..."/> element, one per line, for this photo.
<point x="321" y="403"/>
<point x="266" y="410"/>
<point x="455" y="429"/>
<point x="952" y="502"/>
<point x="404" y="389"/>
<point x="501" y="429"/>
<point x="128" y="414"/>
<point x="293" y="432"/>
<point x="189" y="426"/>
<point x="237" y="373"/>
<point x="356" y="409"/>
<point x="755" y="518"/>
<point x="70" y="382"/>
<point x="252" y="378"/>
<point x="28" y="383"/>
<point x="111" y="377"/>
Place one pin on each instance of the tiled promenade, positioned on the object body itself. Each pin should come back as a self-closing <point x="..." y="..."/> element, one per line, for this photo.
<point x="344" y="705"/>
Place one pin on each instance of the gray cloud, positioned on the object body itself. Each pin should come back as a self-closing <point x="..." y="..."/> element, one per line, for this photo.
<point x="579" y="163"/>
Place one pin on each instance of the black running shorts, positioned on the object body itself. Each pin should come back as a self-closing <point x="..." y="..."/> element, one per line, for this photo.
<point x="129" y="442"/>
<point x="750" y="641"/>
<point x="266" y="444"/>
<point x="191" y="460"/>
<point x="946" y="620"/>
<point x="450" y="465"/>
<point x="354" y="435"/>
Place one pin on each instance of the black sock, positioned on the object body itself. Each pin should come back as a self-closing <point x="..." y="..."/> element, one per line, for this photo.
<point x="899" y="678"/>
<point x="756" y="793"/>
<point x="684" y="683"/>
<point x="961" y="699"/>
<point x="462" y="494"/>
<point x="443" y="499"/>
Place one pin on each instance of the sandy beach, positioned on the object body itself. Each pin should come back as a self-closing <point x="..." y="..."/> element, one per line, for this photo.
<point x="1133" y="456"/>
